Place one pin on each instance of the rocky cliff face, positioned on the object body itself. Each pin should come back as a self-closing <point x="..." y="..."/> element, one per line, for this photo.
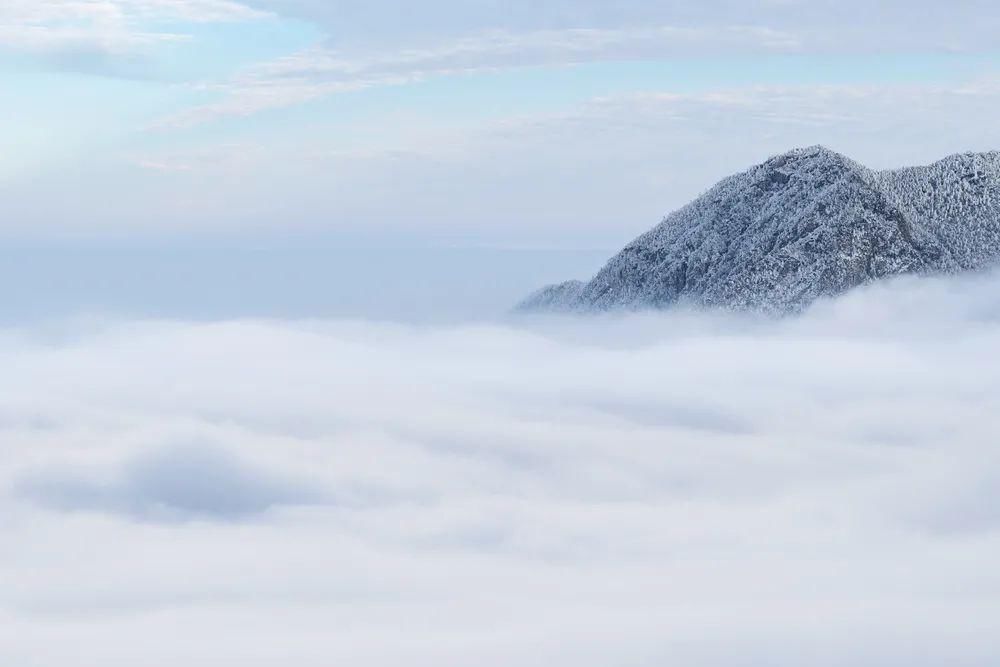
<point x="807" y="224"/>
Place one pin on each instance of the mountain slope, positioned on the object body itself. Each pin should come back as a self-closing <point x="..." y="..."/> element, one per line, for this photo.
<point x="803" y="225"/>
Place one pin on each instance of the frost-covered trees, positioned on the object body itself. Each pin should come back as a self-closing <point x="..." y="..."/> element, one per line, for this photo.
<point x="802" y="225"/>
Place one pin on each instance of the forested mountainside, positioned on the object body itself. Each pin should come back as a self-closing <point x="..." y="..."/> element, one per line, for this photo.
<point x="803" y="225"/>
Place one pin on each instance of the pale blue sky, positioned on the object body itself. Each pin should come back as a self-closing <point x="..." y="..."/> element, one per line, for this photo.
<point x="527" y="125"/>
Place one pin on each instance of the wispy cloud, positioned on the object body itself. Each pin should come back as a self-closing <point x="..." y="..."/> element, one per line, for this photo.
<point x="320" y="72"/>
<point x="112" y="27"/>
<point x="363" y="52"/>
<point x="844" y="26"/>
<point x="164" y="165"/>
<point x="227" y="156"/>
<point x="593" y="174"/>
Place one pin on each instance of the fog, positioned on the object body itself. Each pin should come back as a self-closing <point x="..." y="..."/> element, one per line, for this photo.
<point x="680" y="488"/>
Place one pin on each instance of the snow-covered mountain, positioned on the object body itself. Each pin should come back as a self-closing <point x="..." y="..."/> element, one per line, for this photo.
<point x="803" y="225"/>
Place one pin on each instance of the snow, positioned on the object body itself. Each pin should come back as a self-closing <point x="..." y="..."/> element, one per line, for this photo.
<point x="804" y="225"/>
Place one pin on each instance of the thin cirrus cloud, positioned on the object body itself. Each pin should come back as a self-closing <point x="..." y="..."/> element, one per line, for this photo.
<point x="321" y="71"/>
<point x="605" y="149"/>
<point x="596" y="174"/>
<point x="756" y="491"/>
<point x="592" y="175"/>
<point x="387" y="43"/>
<point x="112" y="27"/>
<point x="849" y="25"/>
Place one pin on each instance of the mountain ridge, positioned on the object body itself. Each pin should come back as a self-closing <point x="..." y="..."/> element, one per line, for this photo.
<point x="805" y="224"/>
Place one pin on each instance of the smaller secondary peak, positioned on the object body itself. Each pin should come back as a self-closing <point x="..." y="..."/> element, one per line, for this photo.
<point x="984" y="158"/>
<point x="555" y="297"/>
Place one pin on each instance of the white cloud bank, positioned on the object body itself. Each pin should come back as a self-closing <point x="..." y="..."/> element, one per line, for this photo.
<point x="675" y="489"/>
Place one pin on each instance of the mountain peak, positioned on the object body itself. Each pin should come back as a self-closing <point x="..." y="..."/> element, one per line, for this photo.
<point x="805" y="224"/>
<point x="809" y="155"/>
<point x="816" y="150"/>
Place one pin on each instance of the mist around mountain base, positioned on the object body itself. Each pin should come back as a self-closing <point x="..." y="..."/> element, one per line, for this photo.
<point x="681" y="487"/>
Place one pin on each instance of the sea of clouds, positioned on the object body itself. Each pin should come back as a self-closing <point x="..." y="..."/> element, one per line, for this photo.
<point x="676" y="489"/>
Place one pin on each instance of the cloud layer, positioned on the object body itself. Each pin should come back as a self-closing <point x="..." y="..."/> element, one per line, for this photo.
<point x="595" y="174"/>
<point x="388" y="43"/>
<point x="687" y="488"/>
<point x="109" y="28"/>
<point x="546" y="124"/>
<point x="847" y="25"/>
